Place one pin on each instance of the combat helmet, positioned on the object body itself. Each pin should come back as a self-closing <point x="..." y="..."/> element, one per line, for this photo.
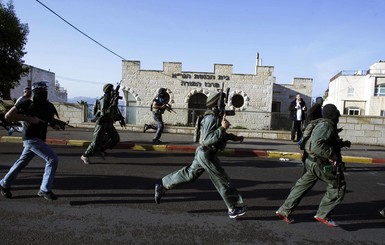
<point x="212" y="99"/>
<point x="107" y="87"/>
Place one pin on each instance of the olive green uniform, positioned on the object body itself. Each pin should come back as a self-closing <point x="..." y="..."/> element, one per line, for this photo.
<point x="212" y="139"/>
<point x="320" y="146"/>
<point x="105" y="135"/>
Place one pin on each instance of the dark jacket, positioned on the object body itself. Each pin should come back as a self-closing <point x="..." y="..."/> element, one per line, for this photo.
<point x="293" y="110"/>
<point x="314" y="112"/>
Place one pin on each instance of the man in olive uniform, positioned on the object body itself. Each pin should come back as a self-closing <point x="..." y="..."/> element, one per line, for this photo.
<point x="213" y="139"/>
<point x="324" y="149"/>
<point x="159" y="105"/>
<point x="105" y="134"/>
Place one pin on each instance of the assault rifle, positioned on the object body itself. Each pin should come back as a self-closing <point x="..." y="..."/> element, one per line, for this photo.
<point x="6" y="124"/>
<point x="62" y="124"/>
<point x="339" y="175"/>
<point x="116" y="97"/>
<point x="168" y="108"/>
<point x="222" y="104"/>
<point x="339" y="165"/>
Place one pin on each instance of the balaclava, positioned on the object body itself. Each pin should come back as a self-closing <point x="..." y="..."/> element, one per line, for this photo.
<point x="331" y="112"/>
<point x="39" y="92"/>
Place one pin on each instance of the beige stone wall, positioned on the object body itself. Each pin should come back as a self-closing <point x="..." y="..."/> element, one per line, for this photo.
<point x="256" y="90"/>
<point x="363" y="129"/>
<point x="73" y="113"/>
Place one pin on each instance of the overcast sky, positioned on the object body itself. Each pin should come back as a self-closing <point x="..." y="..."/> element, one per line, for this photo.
<point x="300" y="38"/>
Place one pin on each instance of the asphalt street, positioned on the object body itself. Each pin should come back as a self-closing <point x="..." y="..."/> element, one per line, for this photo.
<point x="112" y="202"/>
<point x="266" y="148"/>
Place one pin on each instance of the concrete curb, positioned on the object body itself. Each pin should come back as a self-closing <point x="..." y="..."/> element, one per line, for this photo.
<point x="285" y="156"/>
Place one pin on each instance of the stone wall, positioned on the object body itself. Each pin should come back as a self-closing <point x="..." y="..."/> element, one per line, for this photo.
<point x="363" y="130"/>
<point x="73" y="113"/>
<point x="255" y="90"/>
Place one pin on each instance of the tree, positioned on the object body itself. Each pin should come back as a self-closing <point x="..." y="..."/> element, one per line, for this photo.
<point x="13" y="37"/>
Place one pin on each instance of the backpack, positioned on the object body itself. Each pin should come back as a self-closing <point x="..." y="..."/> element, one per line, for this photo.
<point x="96" y="108"/>
<point x="307" y="133"/>
<point x="197" y="130"/>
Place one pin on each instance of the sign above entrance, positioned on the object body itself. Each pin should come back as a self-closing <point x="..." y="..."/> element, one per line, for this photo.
<point x="200" y="76"/>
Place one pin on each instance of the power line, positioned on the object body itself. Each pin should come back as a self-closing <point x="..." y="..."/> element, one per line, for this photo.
<point x="81" y="31"/>
<point x="78" y="80"/>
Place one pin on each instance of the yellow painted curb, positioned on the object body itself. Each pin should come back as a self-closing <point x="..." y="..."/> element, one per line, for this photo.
<point x="357" y="159"/>
<point x="139" y="148"/>
<point x="150" y="147"/>
<point x="11" y="139"/>
<point x="228" y="151"/>
<point x="159" y="147"/>
<point x="78" y="142"/>
<point x="289" y="155"/>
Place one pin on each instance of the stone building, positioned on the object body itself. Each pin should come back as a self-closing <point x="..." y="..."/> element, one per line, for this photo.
<point x="251" y="96"/>
<point x="55" y="92"/>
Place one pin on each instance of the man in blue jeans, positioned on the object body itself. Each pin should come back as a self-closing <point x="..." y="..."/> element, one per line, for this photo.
<point x="36" y="114"/>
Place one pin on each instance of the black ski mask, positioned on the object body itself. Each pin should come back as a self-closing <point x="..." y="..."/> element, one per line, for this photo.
<point x="39" y="95"/>
<point x="331" y="112"/>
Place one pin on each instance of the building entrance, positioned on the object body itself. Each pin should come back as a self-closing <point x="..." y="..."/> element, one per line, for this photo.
<point x="196" y="107"/>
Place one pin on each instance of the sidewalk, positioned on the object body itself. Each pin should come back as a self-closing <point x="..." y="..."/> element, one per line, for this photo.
<point x="267" y="148"/>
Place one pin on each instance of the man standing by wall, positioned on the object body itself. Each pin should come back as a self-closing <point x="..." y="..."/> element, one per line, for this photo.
<point x="297" y="115"/>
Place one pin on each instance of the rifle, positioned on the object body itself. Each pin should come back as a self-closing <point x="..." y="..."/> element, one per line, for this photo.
<point x="61" y="123"/>
<point x="168" y="108"/>
<point x="115" y="97"/>
<point x="339" y="174"/>
<point x="339" y="165"/>
<point x="6" y="124"/>
<point x="222" y="104"/>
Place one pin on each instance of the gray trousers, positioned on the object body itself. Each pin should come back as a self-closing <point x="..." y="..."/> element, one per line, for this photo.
<point x="209" y="162"/>
<point x="315" y="172"/>
<point x="105" y="137"/>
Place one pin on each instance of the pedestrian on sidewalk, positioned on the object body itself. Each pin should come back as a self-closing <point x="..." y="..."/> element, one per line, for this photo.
<point x="36" y="114"/>
<point x="213" y="139"/>
<point x="105" y="134"/>
<point x="297" y="110"/>
<point x="323" y="163"/>
<point x="158" y="106"/>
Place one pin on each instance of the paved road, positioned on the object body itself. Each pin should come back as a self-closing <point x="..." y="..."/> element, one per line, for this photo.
<point x="286" y="150"/>
<point x="111" y="202"/>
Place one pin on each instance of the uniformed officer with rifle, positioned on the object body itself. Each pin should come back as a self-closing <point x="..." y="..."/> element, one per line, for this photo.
<point x="105" y="134"/>
<point x="213" y="139"/>
<point x="324" y="162"/>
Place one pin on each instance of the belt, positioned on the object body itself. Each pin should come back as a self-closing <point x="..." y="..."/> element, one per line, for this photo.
<point x="208" y="148"/>
<point x="317" y="160"/>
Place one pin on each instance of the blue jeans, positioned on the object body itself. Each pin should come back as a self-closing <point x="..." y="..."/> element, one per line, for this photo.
<point x="159" y="124"/>
<point x="34" y="147"/>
